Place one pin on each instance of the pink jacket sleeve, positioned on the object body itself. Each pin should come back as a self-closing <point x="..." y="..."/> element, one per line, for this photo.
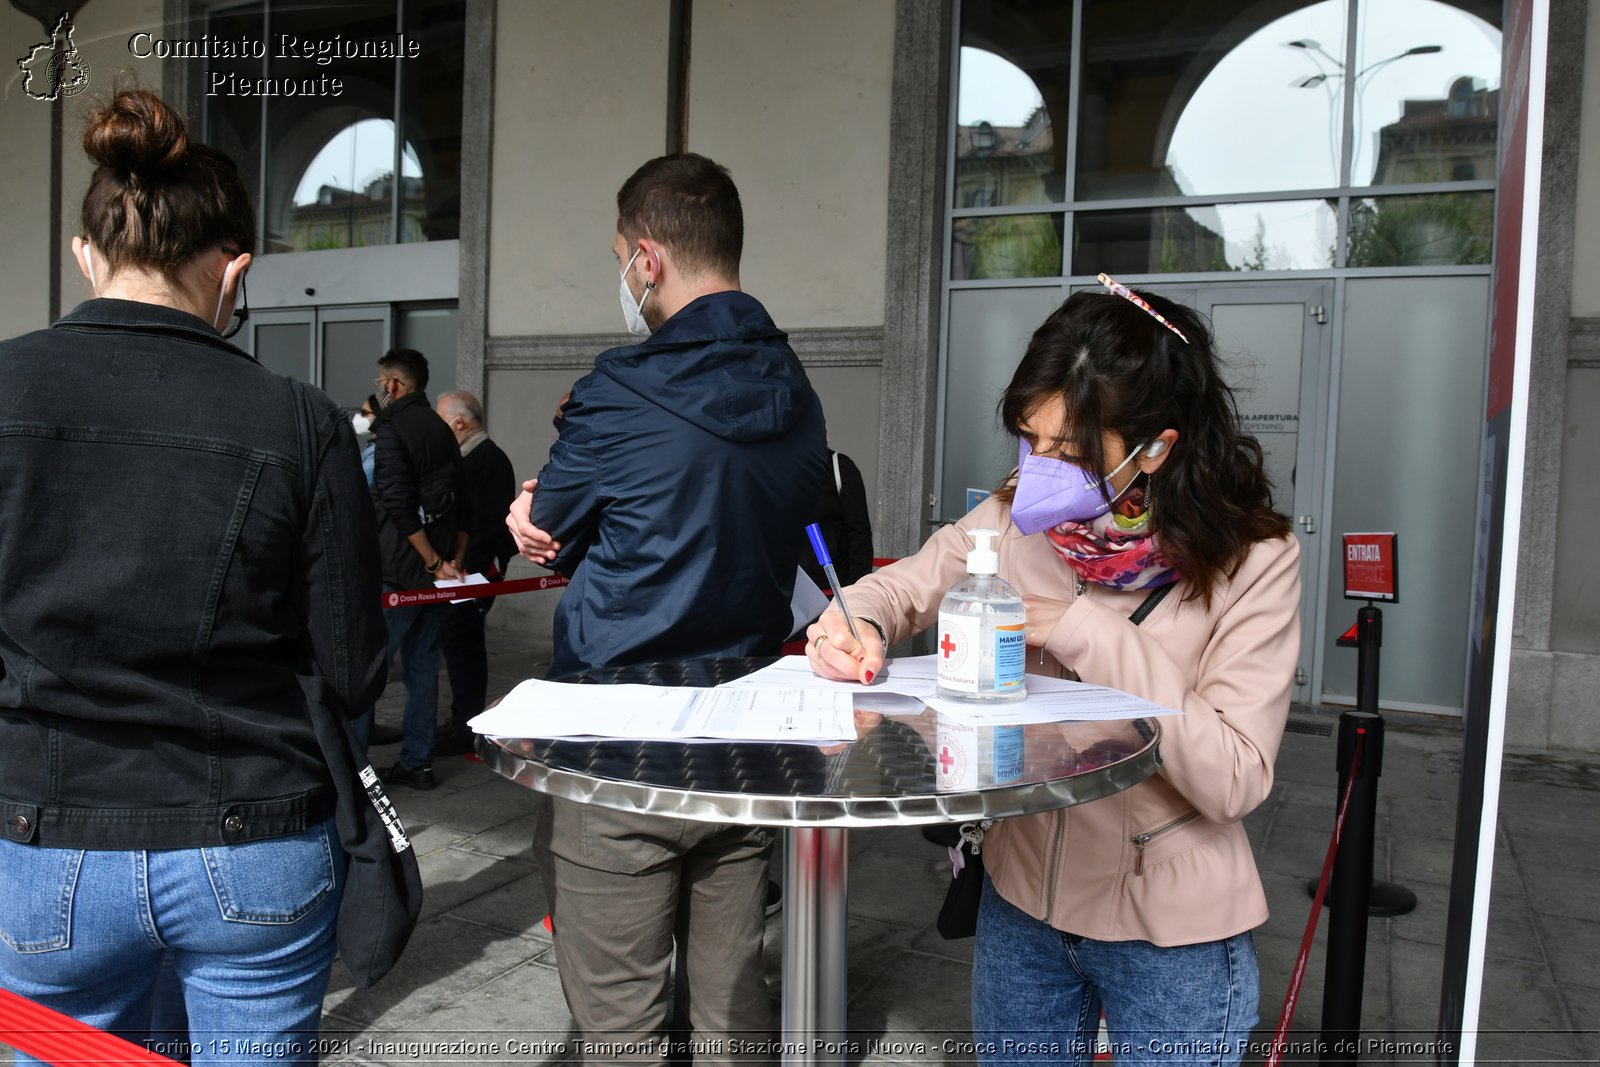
<point x="1235" y="699"/>
<point x="1229" y="669"/>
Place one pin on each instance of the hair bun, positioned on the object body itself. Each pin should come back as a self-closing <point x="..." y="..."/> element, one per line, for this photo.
<point x="137" y="132"/>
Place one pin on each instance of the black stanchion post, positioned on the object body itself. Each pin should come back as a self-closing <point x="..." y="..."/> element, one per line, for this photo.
<point x="1349" y="889"/>
<point x="1369" y="639"/>
<point x="1384" y="899"/>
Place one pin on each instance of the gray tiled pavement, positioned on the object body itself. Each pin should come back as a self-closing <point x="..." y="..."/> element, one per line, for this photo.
<point x="481" y="967"/>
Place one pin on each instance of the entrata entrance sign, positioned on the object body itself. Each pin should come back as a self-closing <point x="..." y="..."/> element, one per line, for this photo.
<point x="1369" y="567"/>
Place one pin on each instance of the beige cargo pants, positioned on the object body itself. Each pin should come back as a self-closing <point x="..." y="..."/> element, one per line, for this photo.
<point x="624" y="889"/>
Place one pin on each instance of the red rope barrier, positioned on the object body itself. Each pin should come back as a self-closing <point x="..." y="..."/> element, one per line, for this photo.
<point x="406" y="597"/>
<point x="1280" y="1037"/>
<point x="48" y="1035"/>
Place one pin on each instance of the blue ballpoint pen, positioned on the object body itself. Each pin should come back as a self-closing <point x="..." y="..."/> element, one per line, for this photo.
<point x="825" y="561"/>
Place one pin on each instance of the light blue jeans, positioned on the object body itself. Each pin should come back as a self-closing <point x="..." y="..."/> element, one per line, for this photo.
<point x="250" y="929"/>
<point x="1037" y="994"/>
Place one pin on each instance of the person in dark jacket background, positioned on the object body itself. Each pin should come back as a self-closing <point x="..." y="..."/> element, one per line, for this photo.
<point x="186" y="579"/>
<point x="491" y="484"/>
<point x="846" y="524"/>
<point x="676" y="497"/>
<point x="423" y="517"/>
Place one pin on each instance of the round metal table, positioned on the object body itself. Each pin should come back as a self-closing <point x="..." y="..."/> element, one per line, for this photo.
<point x="887" y="777"/>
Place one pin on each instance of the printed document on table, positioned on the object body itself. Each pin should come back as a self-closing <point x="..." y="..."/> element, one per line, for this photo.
<point x="667" y="713"/>
<point x="1049" y="699"/>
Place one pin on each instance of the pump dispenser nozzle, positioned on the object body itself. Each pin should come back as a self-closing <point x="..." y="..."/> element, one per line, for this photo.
<point x="983" y="559"/>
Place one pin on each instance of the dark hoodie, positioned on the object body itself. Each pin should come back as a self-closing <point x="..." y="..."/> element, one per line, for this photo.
<point x="679" y="489"/>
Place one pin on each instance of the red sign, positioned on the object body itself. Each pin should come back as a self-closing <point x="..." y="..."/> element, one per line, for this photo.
<point x="1369" y="567"/>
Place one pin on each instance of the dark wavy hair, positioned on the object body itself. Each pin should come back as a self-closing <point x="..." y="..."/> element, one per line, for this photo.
<point x="1119" y="370"/>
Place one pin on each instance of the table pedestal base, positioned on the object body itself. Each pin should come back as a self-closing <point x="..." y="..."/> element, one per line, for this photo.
<point x="816" y="927"/>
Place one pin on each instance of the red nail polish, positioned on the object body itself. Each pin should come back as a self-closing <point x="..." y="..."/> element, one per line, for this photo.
<point x="869" y="677"/>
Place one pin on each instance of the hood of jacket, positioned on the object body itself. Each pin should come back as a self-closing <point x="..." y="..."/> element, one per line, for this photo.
<point x="721" y="364"/>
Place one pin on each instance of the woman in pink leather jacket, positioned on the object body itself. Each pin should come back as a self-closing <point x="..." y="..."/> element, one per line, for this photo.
<point x="1140" y="904"/>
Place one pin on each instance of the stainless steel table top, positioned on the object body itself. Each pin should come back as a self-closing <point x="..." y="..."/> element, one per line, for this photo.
<point x="887" y="776"/>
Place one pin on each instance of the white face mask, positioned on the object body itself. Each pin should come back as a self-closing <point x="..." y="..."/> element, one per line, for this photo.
<point x="632" y="313"/>
<point x="88" y="261"/>
<point x="362" y="424"/>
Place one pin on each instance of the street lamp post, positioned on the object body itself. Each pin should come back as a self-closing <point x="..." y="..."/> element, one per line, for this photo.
<point x="1312" y="49"/>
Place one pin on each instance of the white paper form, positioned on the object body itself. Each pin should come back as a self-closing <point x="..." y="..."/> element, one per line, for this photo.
<point x="794" y="672"/>
<point x="668" y="713"/>
<point x="453" y="583"/>
<point x="1048" y="700"/>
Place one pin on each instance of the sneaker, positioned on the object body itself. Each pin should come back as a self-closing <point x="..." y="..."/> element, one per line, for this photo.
<point x="420" y="779"/>
<point x="774" y="899"/>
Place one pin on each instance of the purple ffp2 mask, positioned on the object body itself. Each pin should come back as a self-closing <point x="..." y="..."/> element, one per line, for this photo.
<point x="1052" y="491"/>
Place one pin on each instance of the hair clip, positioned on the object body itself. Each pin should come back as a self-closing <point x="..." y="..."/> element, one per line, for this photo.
<point x="1128" y="294"/>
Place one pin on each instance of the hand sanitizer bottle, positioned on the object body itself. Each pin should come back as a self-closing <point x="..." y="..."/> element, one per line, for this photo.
<point x="982" y="632"/>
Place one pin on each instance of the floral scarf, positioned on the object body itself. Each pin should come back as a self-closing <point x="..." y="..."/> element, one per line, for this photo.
<point x="1116" y="550"/>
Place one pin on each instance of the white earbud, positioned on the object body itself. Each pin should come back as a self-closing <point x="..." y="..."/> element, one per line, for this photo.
<point x="1156" y="448"/>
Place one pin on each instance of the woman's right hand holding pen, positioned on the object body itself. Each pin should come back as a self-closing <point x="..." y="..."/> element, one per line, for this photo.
<point x="835" y="653"/>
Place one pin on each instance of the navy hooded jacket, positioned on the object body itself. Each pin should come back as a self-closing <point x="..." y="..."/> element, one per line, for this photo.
<point x="685" y="473"/>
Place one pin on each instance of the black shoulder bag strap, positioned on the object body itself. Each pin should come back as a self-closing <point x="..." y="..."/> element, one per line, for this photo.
<point x="383" y="886"/>
<point x="1156" y="596"/>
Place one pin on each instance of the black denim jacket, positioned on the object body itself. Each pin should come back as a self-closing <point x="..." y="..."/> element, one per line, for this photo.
<point x="187" y="557"/>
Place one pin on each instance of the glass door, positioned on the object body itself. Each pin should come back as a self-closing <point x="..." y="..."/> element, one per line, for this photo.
<point x="334" y="348"/>
<point x="282" y="341"/>
<point x="353" y="339"/>
<point x="1277" y="346"/>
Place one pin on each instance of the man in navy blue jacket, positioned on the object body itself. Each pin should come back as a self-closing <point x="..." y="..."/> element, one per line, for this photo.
<point x="676" y="499"/>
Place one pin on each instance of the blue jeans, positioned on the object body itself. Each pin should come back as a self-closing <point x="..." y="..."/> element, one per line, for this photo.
<point x="1037" y="994"/>
<point x="249" y="928"/>
<point x="415" y="632"/>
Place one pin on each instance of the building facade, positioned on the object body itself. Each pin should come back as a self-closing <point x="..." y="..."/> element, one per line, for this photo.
<point x="923" y="181"/>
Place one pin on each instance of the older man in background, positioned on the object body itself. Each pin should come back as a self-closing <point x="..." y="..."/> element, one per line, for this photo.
<point x="491" y="485"/>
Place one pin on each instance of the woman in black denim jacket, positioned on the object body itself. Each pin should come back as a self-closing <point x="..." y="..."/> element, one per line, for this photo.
<point x="187" y="560"/>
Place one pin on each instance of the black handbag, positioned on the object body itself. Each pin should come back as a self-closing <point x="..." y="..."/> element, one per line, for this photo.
<point x="383" y="887"/>
<point x="958" y="915"/>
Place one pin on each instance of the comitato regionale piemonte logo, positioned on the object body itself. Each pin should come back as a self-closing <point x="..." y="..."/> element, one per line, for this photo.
<point x="55" y="68"/>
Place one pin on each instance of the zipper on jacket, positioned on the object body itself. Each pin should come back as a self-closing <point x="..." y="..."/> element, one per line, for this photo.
<point x="1055" y="862"/>
<point x="1140" y="841"/>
